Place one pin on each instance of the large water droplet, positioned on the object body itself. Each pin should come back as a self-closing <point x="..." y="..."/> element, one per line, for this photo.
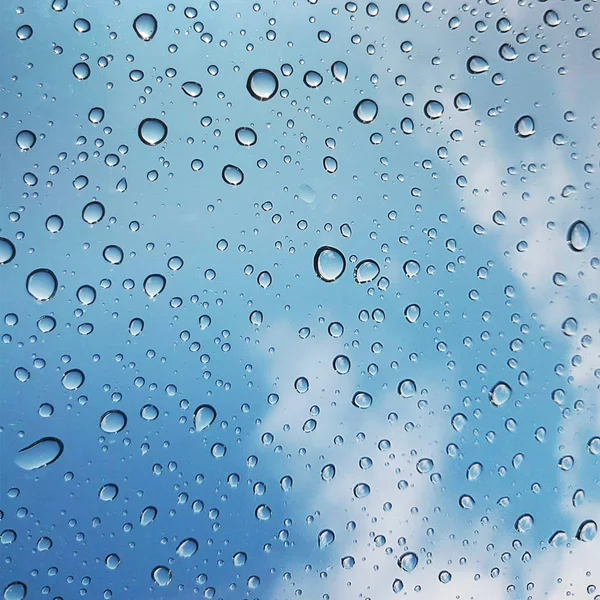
<point x="148" y="515"/>
<point x="329" y="263"/>
<point x="587" y="531"/>
<point x="7" y="251"/>
<point x="326" y="538"/>
<point x="16" y="590"/>
<point x="366" y="111"/>
<point x="154" y="285"/>
<point x="162" y="575"/>
<point x="72" y="380"/>
<point x="192" y="88"/>
<point x="262" y="84"/>
<point x="365" y="271"/>
<point x="362" y="400"/>
<point x="245" y="136"/>
<point x="26" y="140"/>
<point x="40" y="454"/>
<point x="433" y="109"/>
<point x="145" y="26"/>
<point x="152" y="131"/>
<point x="408" y="561"/>
<point x="407" y="388"/>
<point x="113" y="421"/>
<point x="525" y="127"/>
<point x="477" y="65"/>
<point x="524" y="523"/>
<point x="232" y="175"/>
<point x="500" y="393"/>
<point x="578" y="236"/>
<point x="204" y="417"/>
<point x="187" y="548"/>
<point x="339" y="70"/>
<point x="42" y="284"/>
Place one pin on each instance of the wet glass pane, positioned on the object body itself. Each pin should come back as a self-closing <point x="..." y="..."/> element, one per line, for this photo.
<point x="300" y="299"/>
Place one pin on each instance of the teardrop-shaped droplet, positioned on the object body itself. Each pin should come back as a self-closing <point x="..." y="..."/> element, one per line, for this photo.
<point x="245" y="136"/>
<point x="113" y="421"/>
<point x="40" y="454"/>
<point x="145" y="26"/>
<point x="365" y="271"/>
<point x="366" y="111"/>
<point x="152" y="131"/>
<point x="204" y="417"/>
<point x="329" y="264"/>
<point x="500" y="393"/>
<point x="477" y="65"/>
<point x="136" y="326"/>
<point x="326" y="538"/>
<point x="187" y="548"/>
<point x="262" y="84"/>
<point x="154" y="285"/>
<point x="339" y="70"/>
<point x="148" y="515"/>
<point x="578" y="236"/>
<point x="192" y="88"/>
<point x="525" y="126"/>
<point x="42" y="284"/>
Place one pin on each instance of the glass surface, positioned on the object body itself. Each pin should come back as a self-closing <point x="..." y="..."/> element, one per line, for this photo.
<point x="300" y="299"/>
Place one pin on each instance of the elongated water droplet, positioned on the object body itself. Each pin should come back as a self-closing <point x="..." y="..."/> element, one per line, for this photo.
<point x="578" y="236"/>
<point x="187" y="548"/>
<point x="148" y="515"/>
<point x="7" y="251"/>
<point x="329" y="264"/>
<point x="339" y="70"/>
<point x="113" y="421"/>
<point x="587" y="531"/>
<point x="192" y="88"/>
<point x="204" y="417"/>
<point x="477" y="65"/>
<point x="40" y="454"/>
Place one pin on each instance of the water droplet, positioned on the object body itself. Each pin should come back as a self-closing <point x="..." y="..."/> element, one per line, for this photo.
<point x="462" y="101"/>
<point x="551" y="18"/>
<point x="433" y="109"/>
<point x="232" y="175"/>
<point x="154" y="285"/>
<point x="187" y="548"/>
<point x="366" y="111"/>
<point x="239" y="559"/>
<point x="162" y="576"/>
<point x="467" y="502"/>
<point x="93" y="213"/>
<point x="397" y="586"/>
<point x="145" y="26"/>
<point x="365" y="271"/>
<point x="46" y="324"/>
<point x="407" y="388"/>
<point x="152" y="131"/>
<point x="40" y="454"/>
<point x="341" y="364"/>
<point x="325" y="538"/>
<point x="558" y="538"/>
<point x="108" y="492"/>
<point x="42" y="284"/>
<point x="328" y="472"/>
<point x="262" y="84"/>
<point x="204" y="417"/>
<point x="500" y="393"/>
<point x="587" y="531"/>
<point x="136" y="326"/>
<point x="81" y="71"/>
<point x="445" y="577"/>
<point x="82" y="25"/>
<point x="329" y="264"/>
<point x="54" y="223"/>
<point x="411" y="268"/>
<point x="113" y="421"/>
<point x="24" y="32"/>
<point x="474" y="471"/>
<point x="245" y="136"/>
<point x="362" y="400"/>
<point x="525" y="127"/>
<point x="96" y="115"/>
<point x="361" y="490"/>
<point x="524" y="523"/>
<point x="403" y="13"/>
<point x="26" y="140"/>
<point x="86" y="294"/>
<point x="72" y="380"/>
<point x="578" y="236"/>
<point x="264" y="279"/>
<point x="412" y="313"/>
<point x="148" y="515"/>
<point x="330" y="164"/>
<point x="424" y="465"/>
<point x="113" y="255"/>
<point x="192" y="88"/>
<point x="16" y="590"/>
<point x="312" y="79"/>
<point x="477" y="65"/>
<point x="408" y="561"/>
<point x="339" y="70"/>
<point x="593" y="446"/>
<point x="7" y="251"/>
<point x="263" y="512"/>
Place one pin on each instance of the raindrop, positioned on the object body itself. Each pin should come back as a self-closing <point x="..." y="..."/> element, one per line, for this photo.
<point x="86" y="294"/>
<point x="26" y="140"/>
<point x="145" y="26"/>
<point x="113" y="421"/>
<point x="551" y="18"/>
<point x="81" y="71"/>
<point x="408" y="561"/>
<point x="339" y="70"/>
<point x="328" y="472"/>
<point x="329" y="264"/>
<point x="412" y="313"/>
<point x="312" y="79"/>
<point x="148" y="515"/>
<point x="525" y="127"/>
<point x="263" y="512"/>
<point x="42" y="284"/>
<point x="434" y="109"/>
<point x="587" y="531"/>
<point x="330" y="164"/>
<point x="411" y="268"/>
<point x="152" y="131"/>
<point x="40" y="454"/>
<point x="96" y="115"/>
<point x="204" y="417"/>
<point x="192" y="88"/>
<point x="16" y="590"/>
<point x="72" y="380"/>
<point x="187" y="548"/>
<point x="136" y="326"/>
<point x="366" y="111"/>
<point x="403" y="13"/>
<point x="365" y="271"/>
<point x="325" y="538"/>
<point x="7" y="251"/>
<point x="341" y="364"/>
<point x="154" y="285"/>
<point x="239" y="559"/>
<point x="500" y="393"/>
<point x="162" y="576"/>
<point x="361" y="490"/>
<point x="477" y="65"/>
<point x="93" y="213"/>
<point x="108" y="492"/>
<point x="467" y="502"/>
<point x="524" y="523"/>
<point x="578" y="236"/>
<point x="362" y="400"/>
<point x="113" y="255"/>
<point x="593" y="446"/>
<point x="24" y="32"/>
<point x="407" y="388"/>
<point x="232" y="175"/>
<point x="245" y="136"/>
<point x="262" y="84"/>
